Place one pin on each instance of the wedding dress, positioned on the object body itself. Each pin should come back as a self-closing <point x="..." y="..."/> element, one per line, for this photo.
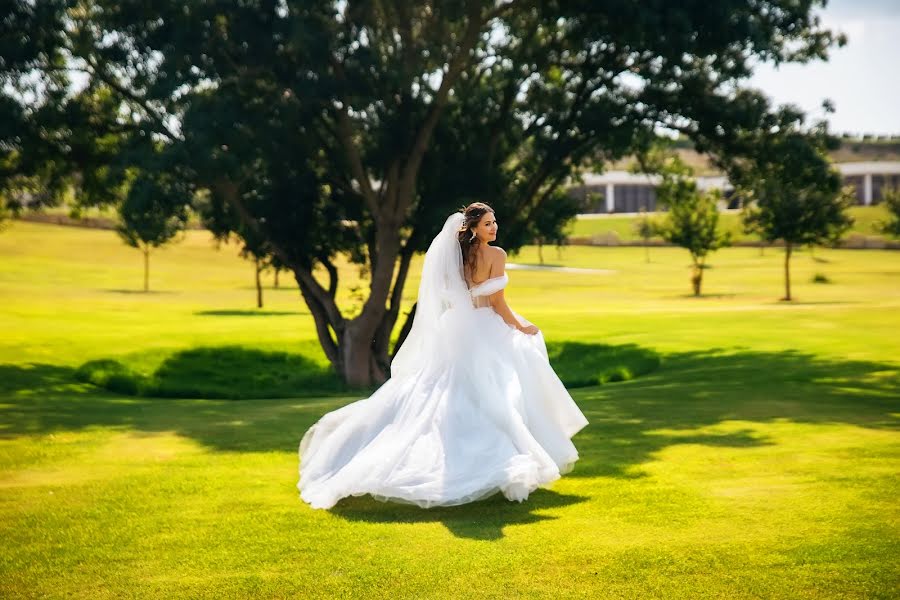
<point x="472" y="406"/>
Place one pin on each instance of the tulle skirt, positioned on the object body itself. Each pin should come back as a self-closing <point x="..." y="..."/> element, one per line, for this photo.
<point x="485" y="413"/>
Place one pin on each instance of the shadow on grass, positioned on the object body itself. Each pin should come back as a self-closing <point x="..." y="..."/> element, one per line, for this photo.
<point x="581" y="365"/>
<point x="481" y="520"/>
<point x="688" y="391"/>
<point x="238" y="373"/>
<point x="629" y="422"/>
<point x="699" y="389"/>
<point x="220" y="372"/>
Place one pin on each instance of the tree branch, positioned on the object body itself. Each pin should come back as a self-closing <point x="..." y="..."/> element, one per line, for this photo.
<point x="423" y="136"/>
<point x="107" y="78"/>
<point x="345" y="136"/>
<point x="320" y="318"/>
<point x="332" y="275"/>
<point x="383" y="335"/>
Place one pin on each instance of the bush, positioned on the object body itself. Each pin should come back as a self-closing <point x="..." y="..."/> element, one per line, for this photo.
<point x="111" y="375"/>
<point x="224" y="372"/>
<point x="615" y="374"/>
<point x="584" y="365"/>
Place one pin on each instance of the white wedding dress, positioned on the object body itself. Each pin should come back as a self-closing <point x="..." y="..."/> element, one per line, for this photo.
<point x="472" y="407"/>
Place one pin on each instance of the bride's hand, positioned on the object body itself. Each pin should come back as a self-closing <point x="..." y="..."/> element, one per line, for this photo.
<point x="530" y="330"/>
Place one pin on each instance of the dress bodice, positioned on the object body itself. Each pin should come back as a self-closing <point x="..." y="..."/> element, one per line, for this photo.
<point x="481" y="291"/>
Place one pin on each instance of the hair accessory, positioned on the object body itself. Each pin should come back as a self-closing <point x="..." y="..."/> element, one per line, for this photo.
<point x="473" y="236"/>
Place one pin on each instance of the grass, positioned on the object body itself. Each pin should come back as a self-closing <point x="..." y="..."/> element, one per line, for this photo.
<point x="621" y="227"/>
<point x="866" y="221"/>
<point x="756" y="454"/>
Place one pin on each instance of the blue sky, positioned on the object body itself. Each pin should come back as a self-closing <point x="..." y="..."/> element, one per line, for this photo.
<point x="862" y="79"/>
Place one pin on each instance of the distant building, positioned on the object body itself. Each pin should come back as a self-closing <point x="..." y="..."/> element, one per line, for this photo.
<point x="626" y="192"/>
<point x="870" y="179"/>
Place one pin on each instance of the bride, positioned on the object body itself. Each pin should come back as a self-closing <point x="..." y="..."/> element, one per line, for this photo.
<point x="472" y="406"/>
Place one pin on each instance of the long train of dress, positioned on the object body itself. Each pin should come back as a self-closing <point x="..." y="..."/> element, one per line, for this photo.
<point x="485" y="413"/>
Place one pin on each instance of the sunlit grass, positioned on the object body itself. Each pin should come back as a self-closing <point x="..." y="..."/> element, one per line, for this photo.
<point x="759" y="459"/>
<point x="866" y="223"/>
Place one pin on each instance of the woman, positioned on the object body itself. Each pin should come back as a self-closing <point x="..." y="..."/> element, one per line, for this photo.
<point x="472" y="406"/>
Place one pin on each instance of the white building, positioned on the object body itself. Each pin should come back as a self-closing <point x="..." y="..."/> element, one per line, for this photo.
<point x="626" y="192"/>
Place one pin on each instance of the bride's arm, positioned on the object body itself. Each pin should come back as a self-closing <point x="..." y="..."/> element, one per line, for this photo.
<point x="498" y="302"/>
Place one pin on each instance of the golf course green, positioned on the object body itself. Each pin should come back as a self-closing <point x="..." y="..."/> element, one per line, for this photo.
<point x="739" y="446"/>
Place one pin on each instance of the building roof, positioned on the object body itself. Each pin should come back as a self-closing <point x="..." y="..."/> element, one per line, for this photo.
<point x="629" y="178"/>
<point x="869" y="168"/>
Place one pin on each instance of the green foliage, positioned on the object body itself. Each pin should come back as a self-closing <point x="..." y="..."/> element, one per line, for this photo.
<point x="807" y="215"/>
<point x="645" y="226"/>
<point x="349" y="129"/>
<point x="225" y="372"/>
<point x="692" y="219"/>
<point x="111" y="375"/>
<point x="153" y="212"/>
<point x="891" y="198"/>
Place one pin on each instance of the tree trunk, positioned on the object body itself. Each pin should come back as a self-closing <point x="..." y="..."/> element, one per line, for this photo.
<point x="787" y="271"/>
<point x="276" y="278"/>
<point x="697" y="278"/>
<point x="146" y="269"/>
<point x="358" y="360"/>
<point x="540" y="246"/>
<point x="259" y="295"/>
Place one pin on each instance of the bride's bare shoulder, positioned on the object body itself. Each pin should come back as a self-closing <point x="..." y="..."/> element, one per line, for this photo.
<point x="497" y="257"/>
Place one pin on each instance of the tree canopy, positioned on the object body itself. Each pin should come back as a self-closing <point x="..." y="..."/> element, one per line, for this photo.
<point x="353" y="128"/>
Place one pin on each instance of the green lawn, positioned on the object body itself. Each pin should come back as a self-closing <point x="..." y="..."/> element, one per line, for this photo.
<point x="866" y="222"/>
<point x="758" y="458"/>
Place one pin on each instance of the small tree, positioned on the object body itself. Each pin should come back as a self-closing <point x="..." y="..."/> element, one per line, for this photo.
<point x="256" y="250"/>
<point x="646" y="227"/>
<point x="548" y="224"/>
<point x="795" y="212"/>
<point x="151" y="216"/>
<point x="692" y="222"/>
<point x="891" y="198"/>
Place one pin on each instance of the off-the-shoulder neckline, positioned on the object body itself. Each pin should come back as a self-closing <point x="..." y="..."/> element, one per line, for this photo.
<point x="487" y="280"/>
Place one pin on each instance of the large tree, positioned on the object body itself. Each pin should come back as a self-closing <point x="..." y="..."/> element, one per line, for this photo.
<point x="353" y="128"/>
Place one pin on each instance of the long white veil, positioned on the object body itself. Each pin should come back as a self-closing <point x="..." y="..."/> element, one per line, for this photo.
<point x="443" y="294"/>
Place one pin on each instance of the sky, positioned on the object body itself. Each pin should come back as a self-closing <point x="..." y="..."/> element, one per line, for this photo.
<point x="862" y="79"/>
